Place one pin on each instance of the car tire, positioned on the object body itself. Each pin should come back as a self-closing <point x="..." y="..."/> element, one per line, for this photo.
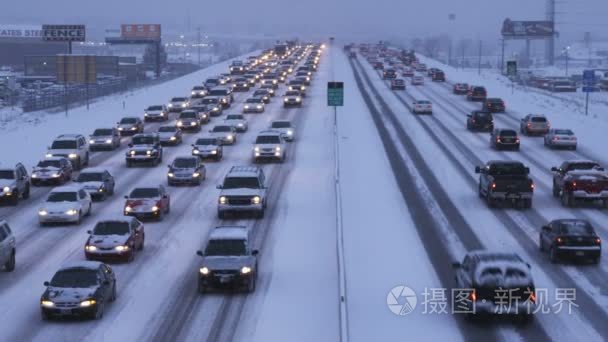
<point x="567" y="200"/>
<point x="252" y="283"/>
<point x="553" y="255"/>
<point x="79" y="218"/>
<point x="541" y="245"/>
<point x="86" y="159"/>
<point x="10" y="263"/>
<point x="261" y="214"/>
<point x="490" y="201"/>
<point x="89" y="210"/>
<point x="44" y="316"/>
<point x="555" y="190"/>
<point x="142" y="244"/>
<point x="15" y="199"/>
<point x="201" y="288"/>
<point x="131" y="254"/>
<point x="596" y="260"/>
<point x="129" y="164"/>
<point x="221" y="215"/>
<point x="98" y="314"/>
<point x="113" y="296"/>
<point x="527" y="203"/>
<point x="26" y="192"/>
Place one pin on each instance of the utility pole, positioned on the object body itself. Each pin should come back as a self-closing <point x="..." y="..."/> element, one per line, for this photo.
<point x="502" y="57"/>
<point x="479" y="61"/>
<point x="550" y="44"/>
<point x="199" y="45"/>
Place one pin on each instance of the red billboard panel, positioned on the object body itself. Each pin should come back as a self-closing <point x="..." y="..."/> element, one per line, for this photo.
<point x="140" y="31"/>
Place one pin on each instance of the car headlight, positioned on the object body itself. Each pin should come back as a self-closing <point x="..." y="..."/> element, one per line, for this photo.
<point x="173" y="138"/>
<point x="298" y="99"/>
<point x="196" y="174"/>
<point x="216" y="109"/>
<point x="285" y="100"/>
<point x="87" y="303"/>
<point x="34" y="175"/>
<point x="223" y="200"/>
<point x="204" y="116"/>
<point x="204" y="270"/>
<point x="246" y="270"/>
<point x="184" y="105"/>
<point x="193" y="93"/>
<point x="100" y="190"/>
<point x="170" y="105"/>
<point x="195" y="151"/>
<point x="289" y="132"/>
<point x="246" y="106"/>
<point x="214" y="152"/>
<point x="47" y="303"/>
<point x="257" y="149"/>
<point x="120" y="128"/>
<point x="229" y="137"/>
<point x="121" y="248"/>
<point x="90" y="248"/>
<point x="108" y="141"/>
<point x="72" y="212"/>
<point x="256" y="200"/>
<point x="42" y="212"/>
<point x="128" y="209"/>
<point x="133" y="128"/>
<point x="259" y="106"/>
<point x="91" y="141"/>
<point x="148" y="152"/>
<point x="48" y="155"/>
<point x="224" y="101"/>
<point x="72" y="155"/>
<point x="180" y="124"/>
<point x="132" y="152"/>
<point x="55" y="175"/>
<point x="170" y="175"/>
<point x="193" y="123"/>
<point x="278" y="149"/>
<point x="154" y="208"/>
<point x="240" y="124"/>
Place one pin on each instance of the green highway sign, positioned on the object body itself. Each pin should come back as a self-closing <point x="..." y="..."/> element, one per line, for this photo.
<point x="511" y="68"/>
<point x="335" y="94"/>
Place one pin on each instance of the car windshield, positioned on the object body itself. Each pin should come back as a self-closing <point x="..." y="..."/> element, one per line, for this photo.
<point x="212" y="80"/>
<point x="184" y="163"/>
<point x="206" y="141"/>
<point x="62" y="196"/>
<point x="267" y="139"/>
<point x="7" y="174"/>
<point x="178" y="99"/>
<point x="494" y="100"/>
<point x="254" y="100"/>
<point x="234" y="117"/>
<point x="198" y="88"/>
<point x="187" y="115"/>
<point x="210" y="100"/>
<point x="483" y="115"/>
<point x="75" y="278"/>
<point x="507" y="169"/>
<point x="102" y="132"/>
<point x="576" y="227"/>
<point x="49" y="163"/>
<point x="582" y="166"/>
<point x="222" y="129"/>
<point x="241" y="182"/>
<point x="143" y="140"/>
<point x="260" y="92"/>
<point x="219" y="247"/>
<point x="155" y="108"/>
<point x="564" y="132"/>
<point x="218" y="92"/>
<point x="144" y="193"/>
<point x="281" y="124"/>
<point x="90" y="177"/>
<point x="423" y="102"/>
<point x="111" y="228"/>
<point x="538" y="119"/>
<point x="508" y="133"/>
<point x="167" y="129"/>
<point x="63" y="145"/>
<point x="128" y="120"/>
<point x="292" y="93"/>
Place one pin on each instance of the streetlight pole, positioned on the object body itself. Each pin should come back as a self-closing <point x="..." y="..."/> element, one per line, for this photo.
<point x="566" y="50"/>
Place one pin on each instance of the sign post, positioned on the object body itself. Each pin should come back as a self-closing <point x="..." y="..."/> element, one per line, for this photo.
<point x="588" y="86"/>
<point x="335" y="94"/>
<point x="512" y="73"/>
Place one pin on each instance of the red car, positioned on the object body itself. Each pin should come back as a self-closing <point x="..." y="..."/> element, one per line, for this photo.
<point x="148" y="202"/>
<point x="460" y="89"/>
<point x="115" y="239"/>
<point x="408" y="72"/>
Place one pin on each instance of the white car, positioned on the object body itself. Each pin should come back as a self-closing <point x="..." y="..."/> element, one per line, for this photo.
<point x="422" y="107"/>
<point x="269" y="145"/>
<point x="560" y="138"/>
<point x="177" y="104"/>
<point x="226" y="134"/>
<point x="237" y="121"/>
<point x="75" y="147"/>
<point x="254" y="105"/>
<point x="66" y="204"/>
<point x="286" y="128"/>
<point x="417" y="80"/>
<point x="156" y="113"/>
<point x="208" y="148"/>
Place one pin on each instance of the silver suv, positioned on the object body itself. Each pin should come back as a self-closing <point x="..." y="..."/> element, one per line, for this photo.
<point x="269" y="145"/>
<point x="7" y="247"/>
<point x="14" y="184"/>
<point x="243" y="191"/>
<point x="75" y="147"/>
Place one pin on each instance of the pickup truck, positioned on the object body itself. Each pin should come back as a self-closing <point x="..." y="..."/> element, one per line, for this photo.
<point x="570" y="165"/>
<point x="584" y="186"/>
<point x="506" y="181"/>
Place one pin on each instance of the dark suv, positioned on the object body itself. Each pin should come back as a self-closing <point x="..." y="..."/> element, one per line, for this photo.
<point x="243" y="190"/>
<point x="7" y="247"/>
<point x="494" y="105"/>
<point x="477" y="93"/>
<point x="228" y="260"/>
<point x="480" y="121"/>
<point x="14" y="184"/>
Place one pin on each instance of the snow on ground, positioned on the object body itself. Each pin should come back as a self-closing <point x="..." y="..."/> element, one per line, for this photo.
<point x="382" y="247"/>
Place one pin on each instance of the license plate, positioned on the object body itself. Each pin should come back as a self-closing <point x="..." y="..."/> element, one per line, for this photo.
<point x="513" y="196"/>
<point x="65" y="311"/>
<point x="580" y="253"/>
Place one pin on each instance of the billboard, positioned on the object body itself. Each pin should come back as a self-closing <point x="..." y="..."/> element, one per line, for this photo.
<point x="76" y="69"/>
<point x="140" y="31"/>
<point x="63" y="33"/>
<point x="527" y="29"/>
<point x="20" y="32"/>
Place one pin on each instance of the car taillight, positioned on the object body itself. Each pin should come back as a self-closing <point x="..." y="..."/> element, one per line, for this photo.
<point x="497" y="139"/>
<point x="573" y="185"/>
<point x="473" y="296"/>
<point x="517" y="140"/>
<point x="493" y="185"/>
<point x="559" y="240"/>
<point x="598" y="241"/>
<point x="529" y="124"/>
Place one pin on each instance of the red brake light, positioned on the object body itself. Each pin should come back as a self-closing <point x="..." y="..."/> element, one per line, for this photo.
<point x="532" y="186"/>
<point x="559" y="240"/>
<point x="529" y="124"/>
<point x="598" y="241"/>
<point x="574" y="184"/>
<point x="517" y="140"/>
<point x="493" y="185"/>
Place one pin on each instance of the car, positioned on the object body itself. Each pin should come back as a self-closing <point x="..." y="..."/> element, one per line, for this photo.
<point x="484" y="277"/>
<point x="243" y="191"/>
<point x="421" y="67"/>
<point x="98" y="182"/>
<point x="254" y="105"/>
<point x="268" y="88"/>
<point x="304" y="79"/>
<point x="570" y="238"/>
<point x="104" y="139"/>
<point x="285" y="127"/>
<point x="225" y="93"/>
<point x="270" y="79"/>
<point x="417" y="80"/>
<point x="212" y="82"/>
<point x="144" y="148"/>
<point x="8" y="247"/>
<point x="378" y="66"/>
<point x="297" y="85"/>
<point x="422" y="107"/>
<point x="226" y="134"/>
<point x="130" y="126"/>
<point x="504" y="138"/>
<point x="170" y="135"/>
<point x="590" y="186"/>
<point x="53" y="170"/>
<point x="571" y="165"/>
<point x="203" y="112"/>
<point x="177" y="104"/>
<point x="238" y="121"/>
<point x="269" y="145"/>
<point x="560" y="138"/>
<point x="477" y="93"/>
<point x="115" y="239"/>
<point x="75" y="147"/>
<point x="438" y="76"/>
<point x="148" y="202"/>
<point x="78" y="289"/>
<point x="214" y="105"/>
<point x="156" y="113"/>
<point x="480" y="121"/>
<point x="241" y="84"/>
<point x="237" y="69"/>
<point x="493" y="105"/>
<point x="292" y="98"/>
<point x="506" y="181"/>
<point x="14" y="184"/>
<point x="208" y="148"/>
<point x="264" y="94"/>
<point x="186" y="170"/>
<point x="398" y="84"/>
<point x="228" y="260"/>
<point x="534" y="124"/>
<point x="408" y="72"/>
<point x="189" y="121"/>
<point x="225" y="78"/>
<point x="198" y="92"/>
<point x="460" y="88"/>
<point x="65" y="204"/>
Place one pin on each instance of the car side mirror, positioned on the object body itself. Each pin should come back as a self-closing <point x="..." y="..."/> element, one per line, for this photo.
<point x="46" y="283"/>
<point x="546" y="229"/>
<point x="89" y="232"/>
<point x="219" y="187"/>
<point x="477" y="169"/>
<point x="165" y="196"/>
<point x="126" y="197"/>
<point x="527" y="170"/>
<point x="130" y="145"/>
<point x="199" y="253"/>
<point x="255" y="252"/>
<point x="456" y="265"/>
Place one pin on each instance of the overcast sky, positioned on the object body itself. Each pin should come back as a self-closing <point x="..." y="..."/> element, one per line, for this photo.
<point x="474" y="18"/>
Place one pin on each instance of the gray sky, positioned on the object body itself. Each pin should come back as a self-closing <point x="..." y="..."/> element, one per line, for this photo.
<point x="474" y="18"/>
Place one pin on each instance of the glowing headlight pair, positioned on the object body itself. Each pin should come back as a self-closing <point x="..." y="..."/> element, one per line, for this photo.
<point x="90" y="248"/>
